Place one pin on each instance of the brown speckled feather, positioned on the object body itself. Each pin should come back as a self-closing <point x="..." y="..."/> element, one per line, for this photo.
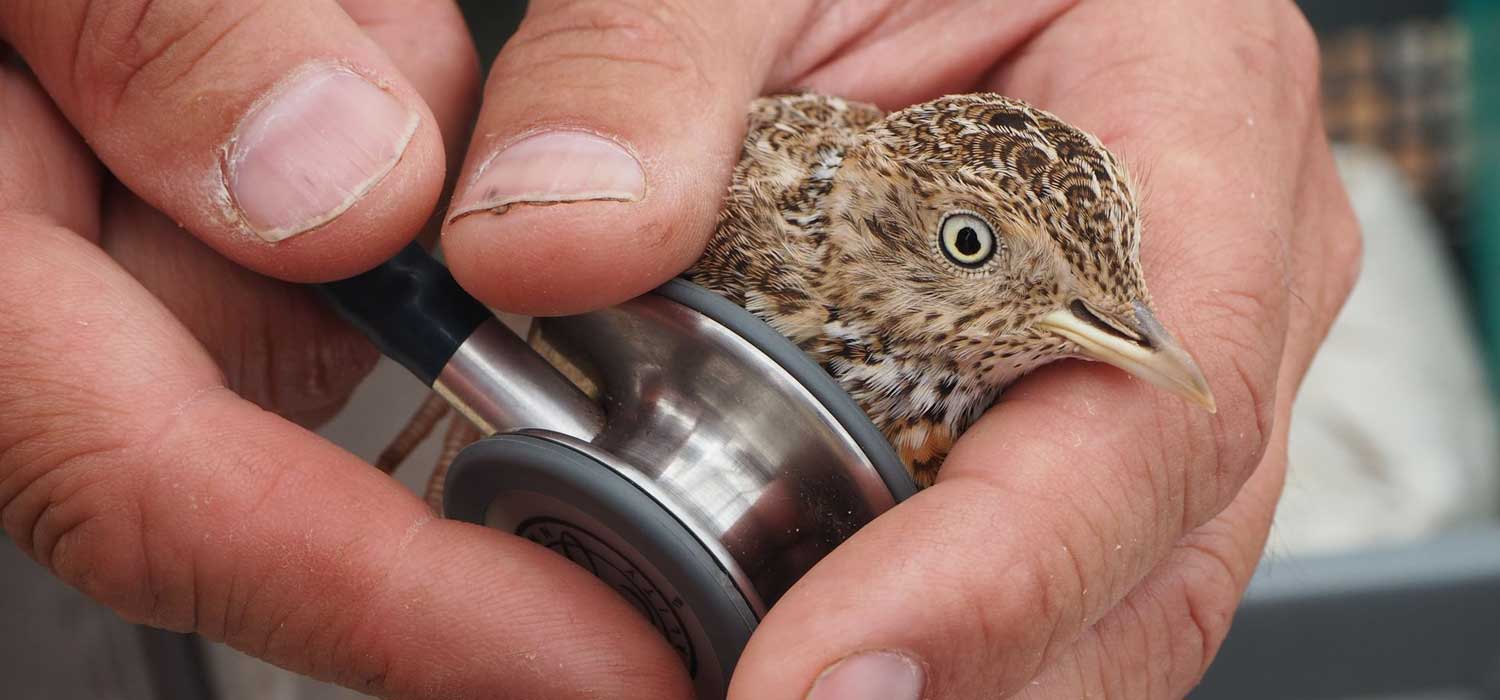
<point x="830" y="233"/>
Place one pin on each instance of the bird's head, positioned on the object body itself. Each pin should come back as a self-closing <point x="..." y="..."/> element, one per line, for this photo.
<point x="991" y="237"/>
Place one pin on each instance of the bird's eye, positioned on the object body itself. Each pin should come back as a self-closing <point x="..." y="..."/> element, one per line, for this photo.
<point x="967" y="240"/>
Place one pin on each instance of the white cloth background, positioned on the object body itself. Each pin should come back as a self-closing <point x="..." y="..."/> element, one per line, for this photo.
<point x="1394" y="432"/>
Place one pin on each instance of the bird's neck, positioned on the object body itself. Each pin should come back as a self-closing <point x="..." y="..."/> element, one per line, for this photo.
<point x="921" y="404"/>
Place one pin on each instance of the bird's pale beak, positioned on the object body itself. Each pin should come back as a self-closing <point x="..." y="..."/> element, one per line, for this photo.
<point x="1139" y="345"/>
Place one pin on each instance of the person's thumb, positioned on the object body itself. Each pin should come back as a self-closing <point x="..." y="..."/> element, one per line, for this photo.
<point x="607" y="139"/>
<point x="277" y="131"/>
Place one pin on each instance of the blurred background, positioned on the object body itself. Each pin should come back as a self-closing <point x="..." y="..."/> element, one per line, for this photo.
<point x="1382" y="577"/>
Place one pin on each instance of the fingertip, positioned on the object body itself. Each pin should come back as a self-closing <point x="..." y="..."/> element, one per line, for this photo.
<point x="603" y="152"/>
<point x="565" y="219"/>
<point x="278" y="132"/>
<point x="969" y="597"/>
<point x="310" y="195"/>
<point x="565" y="259"/>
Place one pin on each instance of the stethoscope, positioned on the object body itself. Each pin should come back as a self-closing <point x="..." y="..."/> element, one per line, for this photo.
<point x="718" y="464"/>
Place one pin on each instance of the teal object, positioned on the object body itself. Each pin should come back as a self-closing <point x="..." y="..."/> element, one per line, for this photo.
<point x="1483" y="19"/>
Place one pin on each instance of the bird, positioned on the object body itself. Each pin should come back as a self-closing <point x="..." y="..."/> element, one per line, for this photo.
<point x="928" y="257"/>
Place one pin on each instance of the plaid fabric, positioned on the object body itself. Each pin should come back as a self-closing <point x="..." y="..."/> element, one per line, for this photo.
<point x="1405" y="89"/>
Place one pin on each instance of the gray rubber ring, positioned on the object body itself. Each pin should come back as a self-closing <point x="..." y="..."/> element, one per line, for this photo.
<point x="806" y="372"/>
<point x="514" y="462"/>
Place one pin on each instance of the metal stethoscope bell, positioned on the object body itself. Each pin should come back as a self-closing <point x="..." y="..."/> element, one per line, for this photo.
<point x="718" y="465"/>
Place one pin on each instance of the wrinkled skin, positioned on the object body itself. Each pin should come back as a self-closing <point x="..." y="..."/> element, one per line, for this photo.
<point x="1088" y="536"/>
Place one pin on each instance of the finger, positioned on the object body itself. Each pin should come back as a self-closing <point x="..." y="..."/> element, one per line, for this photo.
<point x="63" y="181"/>
<point x="276" y="343"/>
<point x="626" y="117"/>
<point x="128" y="471"/>
<point x="1078" y="483"/>
<point x="1160" y="640"/>
<point x="429" y="43"/>
<point x="276" y="131"/>
<point x="1162" y="637"/>
<point x="847" y="50"/>
<point x="1327" y="232"/>
<point x="193" y="510"/>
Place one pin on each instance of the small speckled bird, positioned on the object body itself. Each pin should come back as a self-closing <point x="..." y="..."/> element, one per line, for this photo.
<point x="929" y="257"/>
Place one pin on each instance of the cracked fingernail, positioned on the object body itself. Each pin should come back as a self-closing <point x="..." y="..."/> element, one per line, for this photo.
<point x="553" y="167"/>
<point x="313" y="148"/>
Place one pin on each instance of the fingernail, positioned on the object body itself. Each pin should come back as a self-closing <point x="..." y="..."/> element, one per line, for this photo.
<point x="887" y="675"/>
<point x="309" y="151"/>
<point x="553" y="167"/>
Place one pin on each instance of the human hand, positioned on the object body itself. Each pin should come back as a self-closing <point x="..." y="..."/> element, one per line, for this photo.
<point x="127" y="464"/>
<point x="1090" y="536"/>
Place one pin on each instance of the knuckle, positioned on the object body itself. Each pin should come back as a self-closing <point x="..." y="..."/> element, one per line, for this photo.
<point x="1345" y="253"/>
<point x="1173" y="625"/>
<point x="1031" y="619"/>
<point x="41" y="467"/>
<point x="1276" y="47"/>
<point x="1301" y="42"/>
<point x="1297" y="48"/>
<point x="1041" y="612"/>
<point x="1010" y="626"/>
<point x="1210" y="593"/>
<point x="447" y="46"/>
<point x="130" y="46"/>
<point x="607" y="33"/>
<point x="74" y="456"/>
<point x="1241" y="323"/>
<point x="73" y="512"/>
<point x="78" y="501"/>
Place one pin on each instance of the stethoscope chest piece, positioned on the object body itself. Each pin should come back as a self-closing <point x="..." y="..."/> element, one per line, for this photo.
<point x="563" y="496"/>
<point x="728" y="463"/>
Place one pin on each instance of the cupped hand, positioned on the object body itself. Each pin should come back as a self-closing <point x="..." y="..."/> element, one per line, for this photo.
<point x="1091" y="536"/>
<point x="151" y="389"/>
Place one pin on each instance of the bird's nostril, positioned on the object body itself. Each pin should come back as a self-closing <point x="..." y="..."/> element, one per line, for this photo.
<point x="1083" y="312"/>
